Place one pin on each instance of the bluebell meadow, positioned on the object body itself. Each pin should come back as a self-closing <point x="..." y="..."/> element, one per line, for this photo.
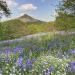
<point x="39" y="57"/>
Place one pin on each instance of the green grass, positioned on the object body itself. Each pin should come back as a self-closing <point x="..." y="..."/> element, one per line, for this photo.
<point x="16" y="28"/>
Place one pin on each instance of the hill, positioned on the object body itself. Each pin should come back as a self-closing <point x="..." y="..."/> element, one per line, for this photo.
<point x="27" y="18"/>
<point x="24" y="25"/>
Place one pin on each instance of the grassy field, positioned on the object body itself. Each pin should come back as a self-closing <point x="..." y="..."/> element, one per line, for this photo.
<point x="15" y="28"/>
<point x="50" y="54"/>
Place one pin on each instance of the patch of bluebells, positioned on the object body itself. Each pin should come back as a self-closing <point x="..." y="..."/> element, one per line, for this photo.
<point x="72" y="51"/>
<point x="0" y="52"/>
<point x="29" y="64"/>
<point x="18" y="49"/>
<point x="72" y="66"/>
<point x="24" y="65"/>
<point x="20" y="61"/>
<point x="7" y="51"/>
<point x="70" y="69"/>
<point x="15" y="50"/>
<point x="49" y="70"/>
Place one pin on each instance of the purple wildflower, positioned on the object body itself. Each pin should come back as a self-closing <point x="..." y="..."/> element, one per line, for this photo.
<point x="72" y="51"/>
<point x="7" y="51"/>
<point x="20" y="61"/>
<point x="49" y="70"/>
<point x="0" y="52"/>
<point x="17" y="49"/>
<point x="28" y="64"/>
<point x="72" y="66"/>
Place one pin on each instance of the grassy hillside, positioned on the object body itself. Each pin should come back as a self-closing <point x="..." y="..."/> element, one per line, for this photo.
<point x="16" y="28"/>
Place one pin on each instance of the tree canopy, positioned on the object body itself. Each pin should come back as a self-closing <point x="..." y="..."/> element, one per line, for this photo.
<point x="4" y="10"/>
<point x="68" y="6"/>
<point x="66" y="15"/>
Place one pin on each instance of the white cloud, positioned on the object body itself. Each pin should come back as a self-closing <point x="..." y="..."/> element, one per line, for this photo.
<point x="11" y="3"/>
<point x="27" y="7"/>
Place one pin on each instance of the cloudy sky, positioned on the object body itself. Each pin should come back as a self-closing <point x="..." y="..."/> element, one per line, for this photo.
<point x="40" y="9"/>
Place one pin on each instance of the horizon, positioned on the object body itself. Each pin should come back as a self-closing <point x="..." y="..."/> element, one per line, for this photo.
<point x="43" y="10"/>
<point x="8" y="19"/>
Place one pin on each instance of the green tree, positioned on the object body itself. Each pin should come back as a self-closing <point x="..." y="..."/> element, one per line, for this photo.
<point x="67" y="6"/>
<point x="4" y="10"/>
<point x="66" y="15"/>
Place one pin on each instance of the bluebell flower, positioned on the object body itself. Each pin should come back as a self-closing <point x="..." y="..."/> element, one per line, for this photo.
<point x="17" y="49"/>
<point x="72" y="51"/>
<point x="7" y="51"/>
<point x="0" y="52"/>
<point x="20" y="61"/>
<point x="47" y="74"/>
<point x="72" y="66"/>
<point x="28" y="64"/>
<point x="51" y="69"/>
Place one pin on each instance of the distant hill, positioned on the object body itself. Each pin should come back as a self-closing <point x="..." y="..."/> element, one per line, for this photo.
<point x="27" y="18"/>
<point x="23" y="25"/>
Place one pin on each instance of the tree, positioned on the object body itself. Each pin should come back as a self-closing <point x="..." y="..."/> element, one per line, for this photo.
<point x="68" y="6"/>
<point x="4" y="10"/>
<point x="66" y="15"/>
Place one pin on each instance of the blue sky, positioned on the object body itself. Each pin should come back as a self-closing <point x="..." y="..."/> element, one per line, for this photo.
<point x="40" y="9"/>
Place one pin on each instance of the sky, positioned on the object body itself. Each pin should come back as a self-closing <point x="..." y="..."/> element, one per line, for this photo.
<point x="39" y="9"/>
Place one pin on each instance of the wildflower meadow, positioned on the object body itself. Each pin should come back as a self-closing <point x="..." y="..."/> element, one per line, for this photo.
<point x="50" y="54"/>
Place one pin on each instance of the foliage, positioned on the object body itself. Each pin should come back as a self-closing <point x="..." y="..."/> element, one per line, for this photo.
<point x="65" y="22"/>
<point x="66" y="15"/>
<point x="67" y="6"/>
<point x="4" y="8"/>
<point x="16" y="28"/>
<point x="54" y="56"/>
